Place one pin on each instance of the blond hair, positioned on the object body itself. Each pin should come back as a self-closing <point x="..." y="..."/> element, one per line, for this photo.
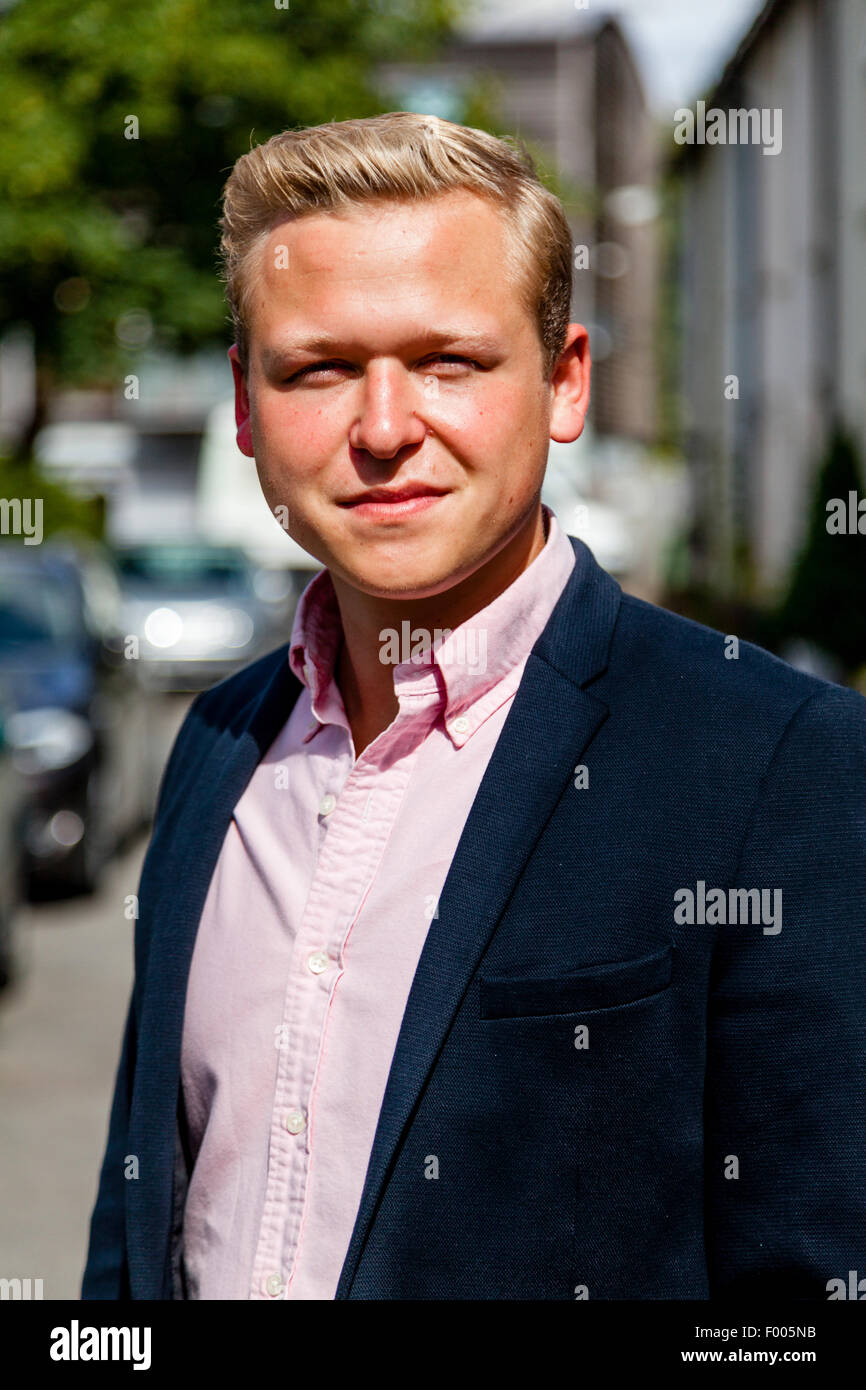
<point x="400" y="156"/>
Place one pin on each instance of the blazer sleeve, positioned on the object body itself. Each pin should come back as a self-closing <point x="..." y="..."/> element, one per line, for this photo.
<point x="106" y="1272"/>
<point x="785" y="1097"/>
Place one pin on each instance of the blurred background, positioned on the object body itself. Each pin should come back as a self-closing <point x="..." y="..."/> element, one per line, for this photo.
<point x="724" y="289"/>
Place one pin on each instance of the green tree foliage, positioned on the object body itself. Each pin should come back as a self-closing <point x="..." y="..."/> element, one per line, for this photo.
<point x="107" y="242"/>
<point x="826" y="600"/>
<point x="62" y="511"/>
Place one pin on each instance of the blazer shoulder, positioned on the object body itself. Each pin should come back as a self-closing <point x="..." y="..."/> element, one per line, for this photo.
<point x="699" y="663"/>
<point x="227" y="706"/>
<point x="226" y="703"/>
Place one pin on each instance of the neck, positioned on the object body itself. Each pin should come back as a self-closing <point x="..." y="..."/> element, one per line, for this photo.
<point x="365" y="683"/>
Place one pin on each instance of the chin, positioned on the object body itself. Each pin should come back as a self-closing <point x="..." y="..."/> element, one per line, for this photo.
<point x="424" y="583"/>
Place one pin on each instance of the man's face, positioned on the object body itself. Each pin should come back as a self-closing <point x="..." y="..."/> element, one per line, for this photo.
<point x="387" y="351"/>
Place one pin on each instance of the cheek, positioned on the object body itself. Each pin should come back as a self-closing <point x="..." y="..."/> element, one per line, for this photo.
<point x="293" y="440"/>
<point x="500" y="416"/>
<point x="503" y="405"/>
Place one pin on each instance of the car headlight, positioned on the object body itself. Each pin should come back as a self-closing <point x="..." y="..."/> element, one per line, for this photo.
<point x="163" y="627"/>
<point x="43" y="740"/>
<point x="213" y="626"/>
<point x="238" y="627"/>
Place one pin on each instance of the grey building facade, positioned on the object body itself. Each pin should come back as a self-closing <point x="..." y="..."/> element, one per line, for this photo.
<point x="774" y="290"/>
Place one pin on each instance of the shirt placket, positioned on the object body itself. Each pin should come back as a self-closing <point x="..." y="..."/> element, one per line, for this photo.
<point x="352" y="844"/>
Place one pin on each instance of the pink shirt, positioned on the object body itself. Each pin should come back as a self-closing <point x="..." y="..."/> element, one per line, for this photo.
<point x="316" y="915"/>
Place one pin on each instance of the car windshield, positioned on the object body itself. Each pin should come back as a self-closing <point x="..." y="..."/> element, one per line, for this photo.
<point x="35" y="607"/>
<point x="184" y="570"/>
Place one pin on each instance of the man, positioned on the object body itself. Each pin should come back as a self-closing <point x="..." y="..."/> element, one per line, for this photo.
<point x="501" y="936"/>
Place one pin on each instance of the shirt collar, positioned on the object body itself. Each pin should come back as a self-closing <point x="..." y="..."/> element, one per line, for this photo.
<point x="478" y="664"/>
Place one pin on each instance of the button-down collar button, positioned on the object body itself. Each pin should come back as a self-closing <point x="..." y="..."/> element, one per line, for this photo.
<point x="460" y="725"/>
<point x="295" y="1121"/>
<point x="273" y="1285"/>
<point x="318" y="962"/>
<point x="327" y="804"/>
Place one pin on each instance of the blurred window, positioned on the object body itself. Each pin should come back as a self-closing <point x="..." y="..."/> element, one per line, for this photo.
<point x="185" y="569"/>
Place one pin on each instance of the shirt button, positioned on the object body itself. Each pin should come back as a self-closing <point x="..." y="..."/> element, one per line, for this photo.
<point x="327" y="804"/>
<point x="461" y="725"/>
<point x="295" y="1121"/>
<point x="273" y="1285"/>
<point x="318" y="962"/>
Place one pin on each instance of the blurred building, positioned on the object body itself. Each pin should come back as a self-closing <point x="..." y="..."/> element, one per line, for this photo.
<point x="774" y="289"/>
<point x="564" y="79"/>
<point x="142" y="454"/>
<point x="167" y="461"/>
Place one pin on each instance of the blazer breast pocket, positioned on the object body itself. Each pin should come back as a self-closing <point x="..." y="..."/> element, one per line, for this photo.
<point x="597" y="987"/>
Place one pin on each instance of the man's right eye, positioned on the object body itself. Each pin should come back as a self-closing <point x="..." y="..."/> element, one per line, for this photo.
<point x="311" y="369"/>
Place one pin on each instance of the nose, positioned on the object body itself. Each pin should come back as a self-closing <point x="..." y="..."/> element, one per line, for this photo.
<point x="386" y="421"/>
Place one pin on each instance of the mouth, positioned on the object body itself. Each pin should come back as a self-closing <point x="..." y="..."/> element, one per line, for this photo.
<point x="384" y="504"/>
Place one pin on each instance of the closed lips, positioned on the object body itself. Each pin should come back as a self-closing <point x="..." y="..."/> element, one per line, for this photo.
<point x="403" y="495"/>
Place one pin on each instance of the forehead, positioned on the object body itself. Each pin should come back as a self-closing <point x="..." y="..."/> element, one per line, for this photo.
<point x="415" y="257"/>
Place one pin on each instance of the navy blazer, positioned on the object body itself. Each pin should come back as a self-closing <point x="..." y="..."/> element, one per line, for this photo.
<point x="638" y="1082"/>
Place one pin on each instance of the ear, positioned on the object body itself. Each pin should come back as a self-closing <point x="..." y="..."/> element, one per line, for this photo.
<point x="242" y="404"/>
<point x="570" y="386"/>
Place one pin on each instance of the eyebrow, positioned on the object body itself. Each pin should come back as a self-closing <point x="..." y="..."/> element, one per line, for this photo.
<point x="323" y="344"/>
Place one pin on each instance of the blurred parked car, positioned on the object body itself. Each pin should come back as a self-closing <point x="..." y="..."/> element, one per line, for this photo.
<point x="11" y="806"/>
<point x="198" y="612"/>
<point x="78" y="729"/>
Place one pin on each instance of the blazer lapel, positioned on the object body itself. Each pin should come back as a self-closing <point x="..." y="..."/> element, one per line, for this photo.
<point x="551" y="721"/>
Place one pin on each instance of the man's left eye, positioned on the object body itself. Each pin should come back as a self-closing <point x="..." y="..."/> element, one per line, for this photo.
<point x="451" y="358"/>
